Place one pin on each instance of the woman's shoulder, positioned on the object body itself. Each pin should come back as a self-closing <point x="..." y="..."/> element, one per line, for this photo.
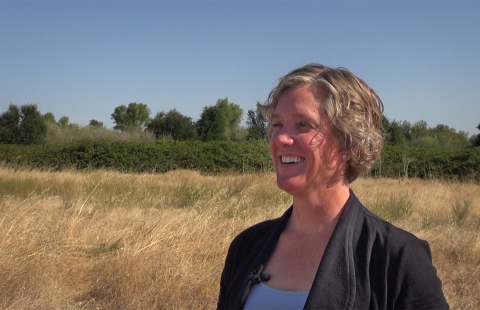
<point x="392" y="239"/>
<point x="406" y="262"/>
<point x="371" y="226"/>
<point x="386" y="228"/>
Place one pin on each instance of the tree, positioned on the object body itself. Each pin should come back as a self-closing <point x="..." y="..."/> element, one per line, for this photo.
<point x="232" y="115"/>
<point x="219" y="122"/>
<point x="211" y="125"/>
<point x="256" y="125"/>
<point x="423" y="136"/>
<point x="475" y="139"/>
<point x="10" y="125"/>
<point x="173" y="124"/>
<point x="130" y="118"/>
<point x="397" y="134"/>
<point x="64" y="121"/>
<point x="49" y="118"/>
<point x="24" y="125"/>
<point x="419" y="130"/>
<point x="33" y="129"/>
<point x="95" y="123"/>
<point x="449" y="138"/>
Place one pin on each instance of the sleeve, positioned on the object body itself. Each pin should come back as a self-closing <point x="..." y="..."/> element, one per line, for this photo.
<point x="225" y="279"/>
<point x="418" y="286"/>
<point x="228" y="286"/>
<point x="223" y="289"/>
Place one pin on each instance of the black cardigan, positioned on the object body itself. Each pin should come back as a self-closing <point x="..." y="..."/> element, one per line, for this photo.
<point x="368" y="264"/>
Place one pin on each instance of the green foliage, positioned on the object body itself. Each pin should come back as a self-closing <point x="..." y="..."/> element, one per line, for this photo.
<point x="402" y="133"/>
<point x="10" y="125"/>
<point x="95" y="123"/>
<point x="449" y="138"/>
<point x="398" y="132"/>
<point x="475" y="139"/>
<point x="24" y="125"/>
<point x="160" y="156"/>
<point x="428" y="163"/>
<point x="174" y="125"/>
<point x="240" y="134"/>
<point x="64" y="121"/>
<point x="219" y="122"/>
<point x="257" y="125"/>
<point x="225" y="156"/>
<point x="188" y="193"/>
<point x="49" y="118"/>
<point x="211" y="125"/>
<point x="393" y="207"/>
<point x="232" y="115"/>
<point x="32" y="127"/>
<point x="66" y="134"/>
<point x="130" y="118"/>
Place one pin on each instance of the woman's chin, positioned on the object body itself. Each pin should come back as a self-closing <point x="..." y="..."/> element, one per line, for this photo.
<point x="290" y="185"/>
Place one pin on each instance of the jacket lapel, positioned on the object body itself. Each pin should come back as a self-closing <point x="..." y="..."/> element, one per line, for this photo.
<point x="334" y="284"/>
<point x="259" y="258"/>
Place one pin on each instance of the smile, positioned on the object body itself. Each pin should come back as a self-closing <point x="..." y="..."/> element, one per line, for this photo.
<point x="289" y="160"/>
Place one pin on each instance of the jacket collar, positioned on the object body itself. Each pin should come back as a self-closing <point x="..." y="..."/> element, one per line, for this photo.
<point x="262" y="256"/>
<point x="335" y="282"/>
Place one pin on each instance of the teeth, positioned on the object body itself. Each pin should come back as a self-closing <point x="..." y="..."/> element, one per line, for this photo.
<point x="288" y="160"/>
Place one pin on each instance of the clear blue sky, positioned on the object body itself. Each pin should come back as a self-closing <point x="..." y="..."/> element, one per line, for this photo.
<point x="82" y="59"/>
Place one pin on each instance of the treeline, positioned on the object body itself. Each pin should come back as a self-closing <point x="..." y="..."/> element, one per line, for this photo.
<point x="428" y="163"/>
<point x="220" y="122"/>
<point x="214" y="143"/>
<point x="215" y="157"/>
<point x="419" y="134"/>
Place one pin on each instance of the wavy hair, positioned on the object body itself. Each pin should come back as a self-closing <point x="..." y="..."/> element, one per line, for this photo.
<point x="353" y="108"/>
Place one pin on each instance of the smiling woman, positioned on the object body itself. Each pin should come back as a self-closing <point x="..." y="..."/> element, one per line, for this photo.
<point x="302" y="141"/>
<point x="327" y="250"/>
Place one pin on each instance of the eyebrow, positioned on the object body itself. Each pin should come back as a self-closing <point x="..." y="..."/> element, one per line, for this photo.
<point x="276" y="115"/>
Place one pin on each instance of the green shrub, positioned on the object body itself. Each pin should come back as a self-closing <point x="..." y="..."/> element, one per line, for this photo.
<point x="226" y="156"/>
<point x="393" y="208"/>
<point x="161" y="156"/>
<point x="428" y="163"/>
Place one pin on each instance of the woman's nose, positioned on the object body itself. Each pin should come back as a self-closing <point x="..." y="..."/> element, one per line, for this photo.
<point x="283" y="137"/>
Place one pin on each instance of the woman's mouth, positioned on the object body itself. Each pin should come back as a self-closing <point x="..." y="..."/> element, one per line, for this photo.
<point x="291" y="159"/>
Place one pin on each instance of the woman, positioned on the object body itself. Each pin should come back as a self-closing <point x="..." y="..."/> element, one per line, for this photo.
<point x="327" y="251"/>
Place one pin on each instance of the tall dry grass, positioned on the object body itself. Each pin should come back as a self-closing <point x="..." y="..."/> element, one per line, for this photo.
<point x="105" y="240"/>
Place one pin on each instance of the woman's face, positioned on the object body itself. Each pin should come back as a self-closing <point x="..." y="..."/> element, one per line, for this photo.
<point x="305" y="152"/>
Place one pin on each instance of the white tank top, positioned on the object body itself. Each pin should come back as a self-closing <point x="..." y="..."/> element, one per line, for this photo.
<point x="262" y="296"/>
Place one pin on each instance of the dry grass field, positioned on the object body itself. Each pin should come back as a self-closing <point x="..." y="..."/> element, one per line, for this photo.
<point x="105" y="240"/>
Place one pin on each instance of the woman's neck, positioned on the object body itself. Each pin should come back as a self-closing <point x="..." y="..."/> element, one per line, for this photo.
<point x="312" y="213"/>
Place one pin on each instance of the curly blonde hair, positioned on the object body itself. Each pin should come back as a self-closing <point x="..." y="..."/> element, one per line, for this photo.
<point x="353" y="108"/>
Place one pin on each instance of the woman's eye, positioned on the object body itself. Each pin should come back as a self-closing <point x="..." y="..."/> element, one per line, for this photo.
<point x="303" y="125"/>
<point x="276" y="125"/>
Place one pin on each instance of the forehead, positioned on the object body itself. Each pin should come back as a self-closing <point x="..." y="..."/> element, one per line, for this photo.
<point x="299" y="99"/>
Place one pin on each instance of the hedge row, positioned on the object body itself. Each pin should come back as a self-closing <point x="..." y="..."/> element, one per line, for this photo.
<point x="161" y="156"/>
<point x="429" y="163"/>
<point x="223" y="156"/>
